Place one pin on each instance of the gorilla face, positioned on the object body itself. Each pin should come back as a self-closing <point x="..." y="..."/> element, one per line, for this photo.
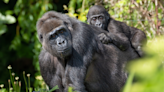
<point x="98" y="16"/>
<point x="55" y="38"/>
<point x="98" y="20"/>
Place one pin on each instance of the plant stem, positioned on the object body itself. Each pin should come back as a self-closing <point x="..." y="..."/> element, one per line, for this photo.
<point x="25" y="81"/>
<point x="9" y="85"/>
<point x="19" y="86"/>
<point x="29" y="82"/>
<point x="12" y="80"/>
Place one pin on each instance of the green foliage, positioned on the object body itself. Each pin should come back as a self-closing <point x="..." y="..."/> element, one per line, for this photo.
<point x="148" y="71"/>
<point x="8" y="19"/>
<point x="28" y="13"/>
<point x="54" y="88"/>
<point x="80" y="11"/>
<point x="20" y="41"/>
<point x="15" y="84"/>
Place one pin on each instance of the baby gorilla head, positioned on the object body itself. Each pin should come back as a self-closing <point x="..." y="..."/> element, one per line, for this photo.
<point x="98" y="16"/>
<point x="54" y="36"/>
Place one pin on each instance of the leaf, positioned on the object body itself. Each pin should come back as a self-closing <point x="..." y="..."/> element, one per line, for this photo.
<point x="10" y="19"/>
<point x="30" y="89"/>
<point x="70" y="89"/>
<point x="6" y="1"/>
<point x="138" y="1"/>
<point x="54" y="88"/>
<point x="16" y="42"/>
<point x="129" y="82"/>
<point x="9" y="12"/>
<point x="3" y="29"/>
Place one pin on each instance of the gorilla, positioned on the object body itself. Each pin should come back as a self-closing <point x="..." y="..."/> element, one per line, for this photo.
<point x="72" y="55"/>
<point x="98" y="16"/>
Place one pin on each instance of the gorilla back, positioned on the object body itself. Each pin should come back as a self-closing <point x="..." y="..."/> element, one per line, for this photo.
<point x="72" y="55"/>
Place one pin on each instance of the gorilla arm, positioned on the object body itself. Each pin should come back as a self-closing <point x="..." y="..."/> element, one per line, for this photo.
<point x="50" y="69"/>
<point x="137" y="40"/>
<point x="118" y="39"/>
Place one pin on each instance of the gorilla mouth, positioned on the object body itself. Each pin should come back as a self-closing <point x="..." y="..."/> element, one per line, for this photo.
<point x="65" y="52"/>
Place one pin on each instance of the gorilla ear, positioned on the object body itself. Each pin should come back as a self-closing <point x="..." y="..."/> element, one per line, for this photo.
<point x="70" y="28"/>
<point x="88" y="20"/>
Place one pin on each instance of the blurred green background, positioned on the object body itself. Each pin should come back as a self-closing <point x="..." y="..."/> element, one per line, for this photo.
<point x="19" y="45"/>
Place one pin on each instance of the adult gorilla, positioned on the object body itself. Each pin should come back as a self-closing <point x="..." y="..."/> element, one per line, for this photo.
<point x="72" y="55"/>
<point x="99" y="17"/>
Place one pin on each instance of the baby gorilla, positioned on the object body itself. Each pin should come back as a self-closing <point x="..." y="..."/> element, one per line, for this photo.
<point x="99" y="17"/>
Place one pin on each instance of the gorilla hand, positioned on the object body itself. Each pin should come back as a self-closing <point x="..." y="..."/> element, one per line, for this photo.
<point x="104" y="38"/>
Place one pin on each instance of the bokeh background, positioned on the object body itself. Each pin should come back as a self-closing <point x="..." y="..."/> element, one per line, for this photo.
<point x="19" y="45"/>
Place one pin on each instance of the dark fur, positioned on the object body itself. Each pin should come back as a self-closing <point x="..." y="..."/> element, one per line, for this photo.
<point x="119" y="30"/>
<point x="91" y="66"/>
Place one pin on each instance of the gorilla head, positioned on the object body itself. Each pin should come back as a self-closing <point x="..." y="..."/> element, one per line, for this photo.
<point x="54" y="36"/>
<point x="98" y="16"/>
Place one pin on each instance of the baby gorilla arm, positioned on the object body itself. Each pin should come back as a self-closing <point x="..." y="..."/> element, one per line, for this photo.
<point x="118" y="39"/>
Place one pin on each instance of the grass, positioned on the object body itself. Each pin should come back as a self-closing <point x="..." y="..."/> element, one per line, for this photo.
<point x="14" y="84"/>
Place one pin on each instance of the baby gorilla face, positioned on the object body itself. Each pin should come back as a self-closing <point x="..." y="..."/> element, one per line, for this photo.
<point x="98" y="20"/>
<point x="98" y="16"/>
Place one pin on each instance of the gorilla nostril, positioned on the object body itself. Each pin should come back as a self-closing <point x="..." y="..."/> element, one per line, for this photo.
<point x="61" y="42"/>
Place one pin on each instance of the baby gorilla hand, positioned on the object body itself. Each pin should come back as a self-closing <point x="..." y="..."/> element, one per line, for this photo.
<point x="104" y="38"/>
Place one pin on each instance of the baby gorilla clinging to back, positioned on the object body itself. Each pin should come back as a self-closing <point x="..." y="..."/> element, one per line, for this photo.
<point x="99" y="17"/>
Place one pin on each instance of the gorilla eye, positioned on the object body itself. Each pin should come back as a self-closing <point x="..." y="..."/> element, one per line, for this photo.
<point x="101" y="17"/>
<point x="53" y="36"/>
<point x="61" y="31"/>
<point x="94" y="19"/>
<point x="40" y="37"/>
